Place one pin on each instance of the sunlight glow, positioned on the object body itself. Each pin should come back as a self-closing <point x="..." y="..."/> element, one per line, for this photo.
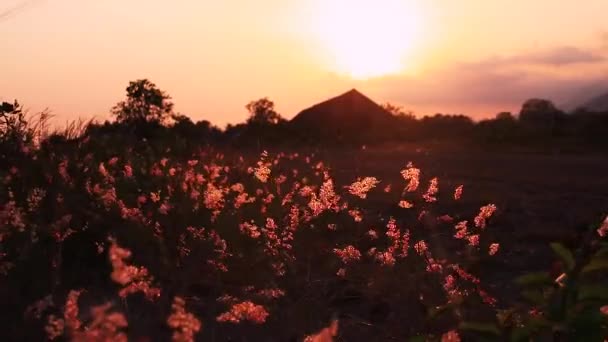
<point x="368" y="38"/>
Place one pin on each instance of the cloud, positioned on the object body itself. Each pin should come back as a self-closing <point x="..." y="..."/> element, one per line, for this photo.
<point x="559" y="56"/>
<point x="500" y="83"/>
<point x="604" y="39"/>
<point x="16" y="9"/>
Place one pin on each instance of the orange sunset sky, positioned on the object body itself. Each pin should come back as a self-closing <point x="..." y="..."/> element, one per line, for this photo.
<point x="475" y="57"/>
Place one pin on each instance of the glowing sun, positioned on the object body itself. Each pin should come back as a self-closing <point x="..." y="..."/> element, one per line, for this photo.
<point x="367" y="38"/>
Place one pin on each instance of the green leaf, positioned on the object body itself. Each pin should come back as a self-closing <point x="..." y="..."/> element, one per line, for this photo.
<point x="603" y="251"/>
<point x="591" y="292"/>
<point x="564" y="253"/>
<point x="536" y="278"/>
<point x="417" y="339"/>
<point x="521" y="334"/>
<point x="488" y="328"/>
<point x="537" y="323"/>
<point x="596" y="264"/>
<point x="587" y="325"/>
<point x="529" y="329"/>
<point x="533" y="296"/>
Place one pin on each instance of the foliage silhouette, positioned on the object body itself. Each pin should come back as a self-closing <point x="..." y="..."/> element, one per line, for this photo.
<point x="144" y="103"/>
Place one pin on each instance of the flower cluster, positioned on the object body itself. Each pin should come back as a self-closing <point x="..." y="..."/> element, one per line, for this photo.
<point x="133" y="279"/>
<point x="412" y="175"/>
<point x="493" y="249"/>
<point x="264" y="237"/>
<point x="461" y="230"/>
<point x="184" y="324"/>
<point x="431" y="192"/>
<point x="361" y="187"/>
<point x="348" y="254"/>
<point x="244" y="311"/>
<point x="450" y="336"/>
<point x="406" y="204"/>
<point x="262" y="171"/>
<point x="103" y="326"/>
<point x="485" y="213"/>
<point x="458" y="192"/>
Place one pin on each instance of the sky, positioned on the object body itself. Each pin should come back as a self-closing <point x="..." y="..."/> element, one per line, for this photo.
<point x="475" y="57"/>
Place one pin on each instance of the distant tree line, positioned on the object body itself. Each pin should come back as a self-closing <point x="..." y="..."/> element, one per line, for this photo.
<point x="147" y="114"/>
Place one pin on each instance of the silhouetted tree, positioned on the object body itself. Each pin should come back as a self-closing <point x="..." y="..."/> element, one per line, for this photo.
<point x="262" y="112"/>
<point x="505" y="116"/>
<point x="144" y="103"/>
<point x="11" y="115"/>
<point x="16" y="134"/>
<point x="446" y="126"/>
<point x="405" y="127"/>
<point x="538" y="111"/>
<point x="540" y="119"/>
<point x="398" y="111"/>
<point x="263" y="126"/>
<point x="501" y="130"/>
<point x="13" y="126"/>
<point x="201" y="131"/>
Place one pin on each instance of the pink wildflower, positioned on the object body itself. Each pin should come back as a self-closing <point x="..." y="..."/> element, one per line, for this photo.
<point x="348" y="254"/>
<point x="372" y="234"/>
<point x="486" y="298"/>
<point x="420" y="247"/>
<point x="164" y="208"/>
<point x="249" y="229"/>
<point x="356" y="215"/>
<point x="449" y="283"/>
<point x="271" y="293"/>
<point x="473" y="240"/>
<point x="458" y="192"/>
<point x="385" y="258"/>
<point x="361" y="187"/>
<point x="445" y="218"/>
<point x="237" y="187"/>
<point x="214" y="197"/>
<point x="450" y="336"/>
<point x="461" y="230"/>
<point x="133" y="279"/>
<point x="485" y="213"/>
<point x="405" y="244"/>
<point x="431" y="192"/>
<point x="128" y="171"/>
<point x="412" y="175"/>
<point x="184" y="324"/>
<point x="244" y="311"/>
<point x="262" y="171"/>
<point x="102" y="170"/>
<point x="405" y="204"/>
<point x="493" y="249"/>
